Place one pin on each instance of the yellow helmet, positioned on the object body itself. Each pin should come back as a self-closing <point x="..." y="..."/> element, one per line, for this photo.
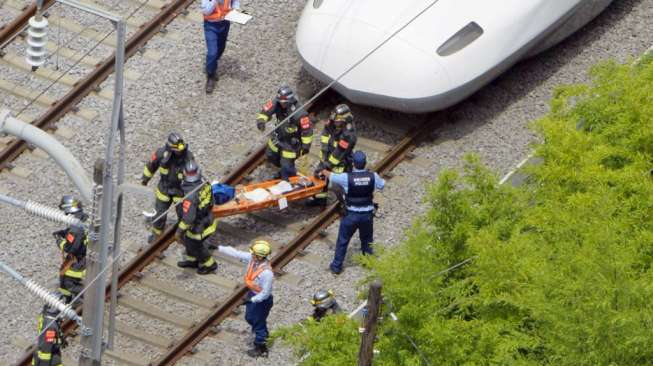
<point x="260" y="248"/>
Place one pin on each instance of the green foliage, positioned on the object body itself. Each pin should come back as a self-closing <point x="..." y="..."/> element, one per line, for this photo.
<point x="331" y="342"/>
<point x="556" y="272"/>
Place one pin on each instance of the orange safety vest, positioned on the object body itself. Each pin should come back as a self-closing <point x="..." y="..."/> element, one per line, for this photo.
<point x="251" y="275"/>
<point x="219" y="12"/>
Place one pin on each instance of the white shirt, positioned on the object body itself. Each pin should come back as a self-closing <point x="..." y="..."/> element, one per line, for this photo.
<point x="208" y="6"/>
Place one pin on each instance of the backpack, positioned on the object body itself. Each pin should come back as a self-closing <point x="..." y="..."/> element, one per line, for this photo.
<point x="222" y="193"/>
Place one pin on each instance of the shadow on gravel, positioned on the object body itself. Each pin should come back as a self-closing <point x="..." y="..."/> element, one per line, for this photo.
<point x="525" y="76"/>
<point x="492" y="100"/>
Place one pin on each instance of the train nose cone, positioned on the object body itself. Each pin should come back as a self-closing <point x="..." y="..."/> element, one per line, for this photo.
<point x="390" y="76"/>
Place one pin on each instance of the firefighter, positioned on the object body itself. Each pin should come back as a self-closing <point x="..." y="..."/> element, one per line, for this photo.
<point x="197" y="222"/>
<point x="337" y="144"/>
<point x="72" y="241"/>
<point x="259" y="300"/>
<point x="324" y="302"/>
<point x="292" y="139"/>
<point x="51" y="338"/>
<point x="169" y="161"/>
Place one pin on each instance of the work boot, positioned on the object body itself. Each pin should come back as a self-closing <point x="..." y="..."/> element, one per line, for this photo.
<point x="202" y="270"/>
<point x="210" y="83"/>
<point x="187" y="264"/>
<point x="259" y="350"/>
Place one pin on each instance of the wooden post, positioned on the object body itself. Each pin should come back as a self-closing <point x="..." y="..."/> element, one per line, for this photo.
<point x="366" y="352"/>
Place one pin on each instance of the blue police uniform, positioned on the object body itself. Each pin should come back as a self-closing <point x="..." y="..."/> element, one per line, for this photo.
<point x="359" y="187"/>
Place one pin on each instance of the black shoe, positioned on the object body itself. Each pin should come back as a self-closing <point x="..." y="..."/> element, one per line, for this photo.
<point x="259" y="350"/>
<point x="206" y="270"/>
<point x="187" y="264"/>
<point x="210" y="84"/>
<point x="316" y="202"/>
<point x="334" y="271"/>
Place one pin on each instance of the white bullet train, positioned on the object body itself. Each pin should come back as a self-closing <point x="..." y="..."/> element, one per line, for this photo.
<point x="444" y="55"/>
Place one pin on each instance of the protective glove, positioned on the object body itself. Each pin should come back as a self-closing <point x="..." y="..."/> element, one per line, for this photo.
<point x="144" y="181"/>
<point x="260" y="125"/>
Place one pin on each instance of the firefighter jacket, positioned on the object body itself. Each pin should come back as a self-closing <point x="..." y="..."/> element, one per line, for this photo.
<point x="50" y="342"/>
<point x="73" y="242"/>
<point x="197" y="221"/>
<point x="170" y="167"/>
<point x="337" y="147"/>
<point x="296" y="135"/>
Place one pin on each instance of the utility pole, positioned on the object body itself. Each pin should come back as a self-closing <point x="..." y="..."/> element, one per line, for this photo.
<point x="93" y="308"/>
<point x="366" y="352"/>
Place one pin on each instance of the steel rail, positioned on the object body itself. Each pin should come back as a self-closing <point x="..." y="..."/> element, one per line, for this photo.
<point x="151" y="253"/>
<point x="9" y="31"/>
<point x="68" y="102"/>
<point x="95" y="78"/>
<point x="290" y="250"/>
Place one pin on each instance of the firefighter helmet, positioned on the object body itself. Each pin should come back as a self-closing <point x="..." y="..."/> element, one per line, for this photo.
<point x="192" y="172"/>
<point x="323" y="299"/>
<point x="175" y="142"/>
<point x="260" y="248"/>
<point x="70" y="205"/>
<point x="342" y="113"/>
<point x="286" y="96"/>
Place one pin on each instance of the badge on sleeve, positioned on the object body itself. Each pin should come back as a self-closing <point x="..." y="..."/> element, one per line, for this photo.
<point x="268" y="106"/>
<point x="153" y="158"/>
<point x="50" y="336"/>
<point x="70" y="238"/>
<point x="186" y="206"/>
<point x="343" y="144"/>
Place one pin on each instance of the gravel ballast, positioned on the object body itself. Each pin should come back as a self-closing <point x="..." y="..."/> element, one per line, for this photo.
<point x="220" y="127"/>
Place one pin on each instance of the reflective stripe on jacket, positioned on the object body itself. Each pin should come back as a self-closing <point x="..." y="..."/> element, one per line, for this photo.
<point x="252" y="274"/>
<point x="220" y="12"/>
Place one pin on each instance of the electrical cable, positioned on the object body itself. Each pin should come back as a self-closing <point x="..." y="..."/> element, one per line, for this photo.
<point x="322" y="91"/>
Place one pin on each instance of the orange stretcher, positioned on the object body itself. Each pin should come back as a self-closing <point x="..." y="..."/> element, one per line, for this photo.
<point x="301" y="187"/>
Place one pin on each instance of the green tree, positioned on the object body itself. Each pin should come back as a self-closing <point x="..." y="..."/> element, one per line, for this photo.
<point x="554" y="272"/>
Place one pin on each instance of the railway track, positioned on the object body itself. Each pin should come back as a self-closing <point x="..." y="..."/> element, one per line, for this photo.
<point x="91" y="82"/>
<point x="141" y="270"/>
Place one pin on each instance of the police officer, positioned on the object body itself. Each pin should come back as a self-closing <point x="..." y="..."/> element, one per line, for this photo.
<point x="51" y="338"/>
<point x="359" y="186"/>
<point x="337" y="144"/>
<point x="291" y="140"/>
<point x="72" y="241"/>
<point x="197" y="222"/>
<point x="324" y="302"/>
<point x="259" y="301"/>
<point x="169" y="160"/>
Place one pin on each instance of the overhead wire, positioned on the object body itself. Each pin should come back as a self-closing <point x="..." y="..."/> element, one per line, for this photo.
<point x="280" y="124"/>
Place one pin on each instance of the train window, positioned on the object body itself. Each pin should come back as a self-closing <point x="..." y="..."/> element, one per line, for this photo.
<point x="460" y="40"/>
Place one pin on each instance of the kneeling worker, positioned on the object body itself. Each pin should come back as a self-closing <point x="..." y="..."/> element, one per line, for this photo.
<point x="324" y="302"/>
<point x="259" y="300"/>
<point x="197" y="222"/>
<point x="359" y="186"/>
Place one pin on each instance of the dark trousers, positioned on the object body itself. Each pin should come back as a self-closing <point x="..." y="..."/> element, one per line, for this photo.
<point x="352" y="221"/>
<point x="287" y="165"/>
<point x="196" y="249"/>
<point x="215" y="34"/>
<point x="161" y="208"/>
<point x="256" y="315"/>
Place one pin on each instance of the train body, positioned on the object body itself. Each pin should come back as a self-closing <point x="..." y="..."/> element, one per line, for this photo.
<point x="452" y="49"/>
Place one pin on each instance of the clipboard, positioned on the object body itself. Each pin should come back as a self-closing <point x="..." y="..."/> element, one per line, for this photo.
<point x="238" y="17"/>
